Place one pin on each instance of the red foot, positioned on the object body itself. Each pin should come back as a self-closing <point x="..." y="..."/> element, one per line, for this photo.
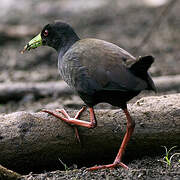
<point x="107" y="166"/>
<point x="67" y="118"/>
<point x="74" y="120"/>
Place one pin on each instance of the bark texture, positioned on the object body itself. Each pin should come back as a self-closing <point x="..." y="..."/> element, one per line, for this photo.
<point x="37" y="140"/>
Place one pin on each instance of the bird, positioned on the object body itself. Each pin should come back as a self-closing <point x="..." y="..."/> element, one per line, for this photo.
<point x="98" y="71"/>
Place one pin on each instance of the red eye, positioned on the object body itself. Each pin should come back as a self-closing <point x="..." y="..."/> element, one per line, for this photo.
<point x="45" y="33"/>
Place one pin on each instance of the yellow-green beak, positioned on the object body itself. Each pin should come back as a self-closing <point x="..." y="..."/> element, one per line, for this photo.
<point x="34" y="43"/>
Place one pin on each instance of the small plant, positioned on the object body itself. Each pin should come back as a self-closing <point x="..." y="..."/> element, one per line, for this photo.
<point x="167" y="158"/>
<point x="65" y="166"/>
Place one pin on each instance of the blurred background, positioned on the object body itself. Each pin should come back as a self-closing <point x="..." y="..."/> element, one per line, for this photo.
<point x="123" y="22"/>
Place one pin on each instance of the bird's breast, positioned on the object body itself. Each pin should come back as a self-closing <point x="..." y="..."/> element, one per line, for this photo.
<point x="68" y="70"/>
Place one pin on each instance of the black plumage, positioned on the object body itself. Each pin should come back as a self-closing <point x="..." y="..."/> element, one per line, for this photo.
<point x="98" y="71"/>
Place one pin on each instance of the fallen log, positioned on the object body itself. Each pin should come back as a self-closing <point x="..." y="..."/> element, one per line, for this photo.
<point x="167" y="83"/>
<point x="18" y="90"/>
<point x="17" y="31"/>
<point x="6" y="174"/>
<point x="34" y="141"/>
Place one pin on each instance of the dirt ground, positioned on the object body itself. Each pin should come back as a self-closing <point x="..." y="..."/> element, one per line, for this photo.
<point x="144" y="169"/>
<point x="124" y="23"/>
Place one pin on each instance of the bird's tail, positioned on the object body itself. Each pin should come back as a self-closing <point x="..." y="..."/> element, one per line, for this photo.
<point x="140" y="69"/>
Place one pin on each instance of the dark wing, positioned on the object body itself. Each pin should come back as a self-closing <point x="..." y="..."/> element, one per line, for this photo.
<point x="118" y="77"/>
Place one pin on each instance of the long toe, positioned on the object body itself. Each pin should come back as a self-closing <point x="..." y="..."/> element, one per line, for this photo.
<point x="78" y="114"/>
<point x="77" y="134"/>
<point x="63" y="111"/>
<point x="55" y="115"/>
<point x="67" y="117"/>
<point x="107" y="166"/>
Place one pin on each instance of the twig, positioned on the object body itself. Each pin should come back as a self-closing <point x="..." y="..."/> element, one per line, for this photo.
<point x="165" y="11"/>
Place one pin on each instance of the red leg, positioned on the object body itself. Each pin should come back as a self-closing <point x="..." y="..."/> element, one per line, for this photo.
<point x="117" y="162"/>
<point x="129" y="130"/>
<point x="76" y="117"/>
<point x="68" y="117"/>
<point x="74" y="120"/>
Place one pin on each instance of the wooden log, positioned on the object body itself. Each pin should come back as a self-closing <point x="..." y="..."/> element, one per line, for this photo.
<point x="6" y="174"/>
<point x="17" y="31"/>
<point x="17" y="90"/>
<point x="167" y="83"/>
<point x="31" y="141"/>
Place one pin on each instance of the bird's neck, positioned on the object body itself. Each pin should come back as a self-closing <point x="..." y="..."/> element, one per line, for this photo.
<point x="63" y="48"/>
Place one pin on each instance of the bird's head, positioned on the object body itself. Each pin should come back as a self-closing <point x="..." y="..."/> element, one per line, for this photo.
<point x="56" y="35"/>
